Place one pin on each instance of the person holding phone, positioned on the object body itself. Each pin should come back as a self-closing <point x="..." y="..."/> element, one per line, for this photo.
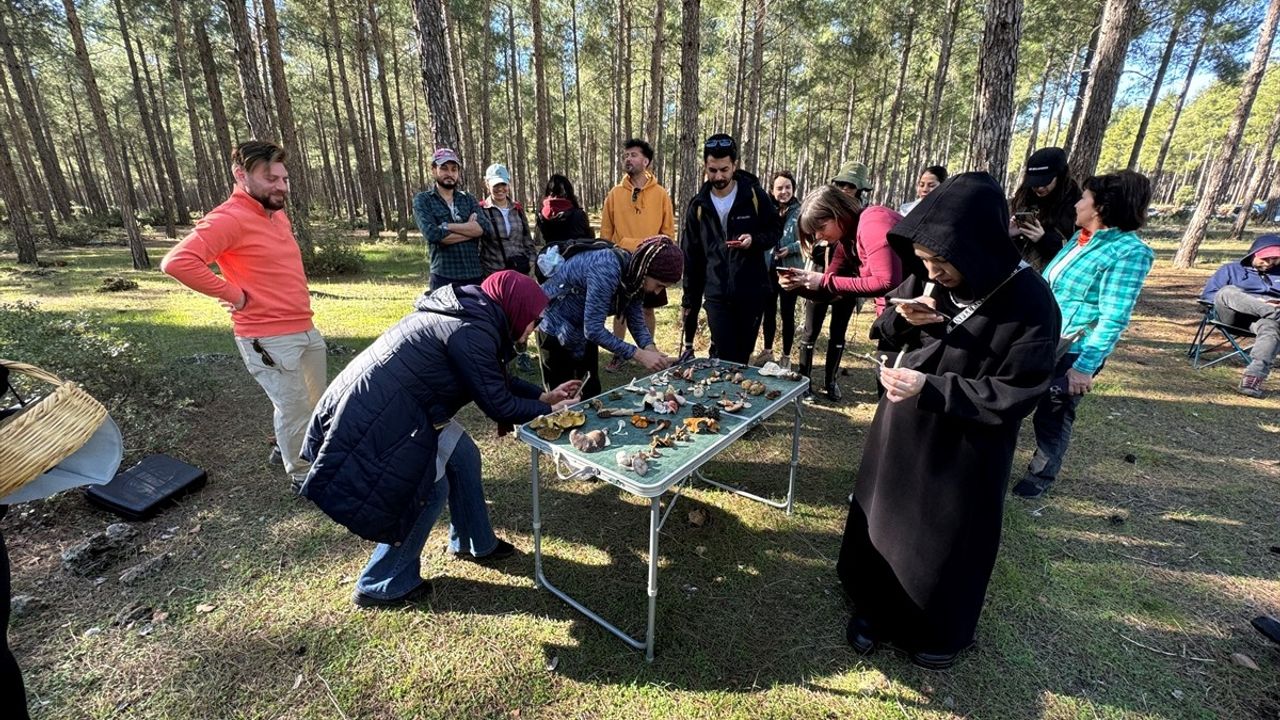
<point x="782" y="186"/>
<point x="1044" y="213"/>
<point x="850" y="258"/>
<point x="974" y="351"/>
<point x="730" y="226"/>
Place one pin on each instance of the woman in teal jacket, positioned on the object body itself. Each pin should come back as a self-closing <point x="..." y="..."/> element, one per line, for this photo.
<point x="782" y="188"/>
<point x="1095" y="278"/>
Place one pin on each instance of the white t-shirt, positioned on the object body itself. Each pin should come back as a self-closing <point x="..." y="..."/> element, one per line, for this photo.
<point x="722" y="205"/>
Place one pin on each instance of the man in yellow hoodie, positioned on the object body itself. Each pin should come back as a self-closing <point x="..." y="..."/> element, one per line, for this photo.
<point x="635" y="209"/>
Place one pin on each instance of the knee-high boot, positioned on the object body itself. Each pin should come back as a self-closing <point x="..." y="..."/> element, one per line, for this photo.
<point x="835" y="351"/>
<point x="805" y="368"/>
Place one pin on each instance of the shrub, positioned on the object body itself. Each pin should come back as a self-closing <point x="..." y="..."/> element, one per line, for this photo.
<point x="334" y="255"/>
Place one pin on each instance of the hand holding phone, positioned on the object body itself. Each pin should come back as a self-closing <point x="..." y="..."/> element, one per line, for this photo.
<point x="918" y="311"/>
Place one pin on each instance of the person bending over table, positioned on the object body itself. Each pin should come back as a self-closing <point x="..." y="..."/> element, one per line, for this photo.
<point x="975" y="356"/>
<point x="1096" y="278"/>
<point x="585" y="291"/>
<point x="386" y="453"/>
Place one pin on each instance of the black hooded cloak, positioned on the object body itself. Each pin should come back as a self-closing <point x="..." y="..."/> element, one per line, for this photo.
<point x="924" y="526"/>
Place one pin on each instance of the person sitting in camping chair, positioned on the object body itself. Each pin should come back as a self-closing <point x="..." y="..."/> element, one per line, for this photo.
<point x="1247" y="294"/>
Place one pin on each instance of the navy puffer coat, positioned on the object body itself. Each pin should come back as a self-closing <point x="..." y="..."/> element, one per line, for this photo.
<point x="372" y="440"/>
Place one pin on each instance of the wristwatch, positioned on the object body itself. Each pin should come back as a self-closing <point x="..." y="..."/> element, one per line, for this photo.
<point x="444" y="228"/>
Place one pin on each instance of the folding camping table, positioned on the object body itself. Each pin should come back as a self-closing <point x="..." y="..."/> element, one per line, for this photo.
<point x="673" y="471"/>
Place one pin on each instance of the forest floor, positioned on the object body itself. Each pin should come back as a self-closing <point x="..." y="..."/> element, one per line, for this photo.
<point x="1124" y="593"/>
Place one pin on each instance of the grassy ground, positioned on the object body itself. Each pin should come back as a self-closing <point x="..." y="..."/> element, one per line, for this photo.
<point x="1123" y="594"/>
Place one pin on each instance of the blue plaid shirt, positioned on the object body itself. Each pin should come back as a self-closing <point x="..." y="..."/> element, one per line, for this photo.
<point x="1096" y="289"/>
<point x="460" y="261"/>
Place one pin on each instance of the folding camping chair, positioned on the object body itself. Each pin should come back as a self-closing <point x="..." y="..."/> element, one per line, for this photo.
<point x="1231" y="336"/>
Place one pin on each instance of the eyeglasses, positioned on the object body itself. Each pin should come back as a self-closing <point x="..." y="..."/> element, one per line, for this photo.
<point x="719" y="142"/>
<point x="266" y="358"/>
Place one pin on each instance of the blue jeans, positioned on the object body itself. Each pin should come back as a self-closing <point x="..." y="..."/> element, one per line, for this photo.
<point x="394" y="570"/>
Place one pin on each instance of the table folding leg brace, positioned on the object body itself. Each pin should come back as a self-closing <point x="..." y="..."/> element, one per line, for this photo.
<point x="791" y="480"/>
<point x="656" y="519"/>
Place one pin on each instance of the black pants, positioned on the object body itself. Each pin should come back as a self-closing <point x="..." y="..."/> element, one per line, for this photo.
<point x="733" y="329"/>
<point x="1052" y="421"/>
<point x="787" y="300"/>
<point x="560" y="366"/>
<point x="816" y="312"/>
<point x="13" y="696"/>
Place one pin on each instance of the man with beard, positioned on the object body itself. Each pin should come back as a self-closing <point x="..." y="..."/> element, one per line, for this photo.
<point x="454" y="241"/>
<point x="729" y="228"/>
<point x="264" y="288"/>
<point x="637" y="208"/>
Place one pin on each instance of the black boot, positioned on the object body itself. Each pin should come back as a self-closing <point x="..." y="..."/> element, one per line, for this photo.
<point x="805" y="368"/>
<point x="835" y="351"/>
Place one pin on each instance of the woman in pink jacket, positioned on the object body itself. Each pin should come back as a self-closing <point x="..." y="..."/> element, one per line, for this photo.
<point x="859" y="264"/>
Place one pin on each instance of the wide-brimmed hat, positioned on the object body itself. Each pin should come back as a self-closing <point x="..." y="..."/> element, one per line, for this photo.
<point x="855" y="174"/>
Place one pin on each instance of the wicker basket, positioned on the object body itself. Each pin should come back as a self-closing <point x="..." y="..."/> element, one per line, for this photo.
<point x="46" y="431"/>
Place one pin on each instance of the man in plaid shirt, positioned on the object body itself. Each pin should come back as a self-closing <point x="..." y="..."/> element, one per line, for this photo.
<point x="452" y="224"/>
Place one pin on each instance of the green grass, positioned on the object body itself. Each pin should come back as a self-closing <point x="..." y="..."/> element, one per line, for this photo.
<point x="1121" y="595"/>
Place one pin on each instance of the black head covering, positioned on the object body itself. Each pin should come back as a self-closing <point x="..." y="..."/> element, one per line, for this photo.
<point x="966" y="221"/>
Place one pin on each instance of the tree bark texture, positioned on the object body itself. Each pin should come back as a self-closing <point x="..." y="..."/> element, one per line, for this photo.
<point x="1217" y="175"/>
<point x="542" y="110"/>
<point x="690" y="47"/>
<point x="251" y="92"/>
<point x="435" y="60"/>
<point x="1118" y="20"/>
<point x="999" y="50"/>
<point x="299" y="182"/>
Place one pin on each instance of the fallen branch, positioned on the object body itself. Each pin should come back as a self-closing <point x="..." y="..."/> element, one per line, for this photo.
<point x="1184" y="656"/>
<point x="332" y="699"/>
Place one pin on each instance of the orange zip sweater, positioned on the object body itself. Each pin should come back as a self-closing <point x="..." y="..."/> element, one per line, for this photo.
<point x="257" y="254"/>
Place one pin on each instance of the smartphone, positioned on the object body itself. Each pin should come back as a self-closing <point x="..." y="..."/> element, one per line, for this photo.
<point x="1025" y="217"/>
<point x="918" y="306"/>
<point x="782" y="270"/>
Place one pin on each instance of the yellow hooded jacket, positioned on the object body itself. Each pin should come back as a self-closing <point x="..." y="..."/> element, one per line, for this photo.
<point x="630" y="216"/>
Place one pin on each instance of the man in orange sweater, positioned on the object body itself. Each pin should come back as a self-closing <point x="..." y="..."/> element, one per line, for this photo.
<point x="264" y="288"/>
<point x="637" y="208"/>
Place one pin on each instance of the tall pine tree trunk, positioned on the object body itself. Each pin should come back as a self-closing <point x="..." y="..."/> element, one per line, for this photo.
<point x="577" y="89"/>
<point x="1217" y="175"/>
<point x="542" y="109"/>
<point x="690" y="143"/>
<point x="653" y="112"/>
<point x="1261" y="174"/>
<point x="517" y="118"/>
<point x="1086" y="70"/>
<point x="1118" y="20"/>
<point x="148" y="122"/>
<point x="435" y="60"/>
<point x="204" y="171"/>
<point x="895" y="108"/>
<point x="56" y="181"/>
<point x="299" y="181"/>
<point x="164" y="133"/>
<point x="19" y="138"/>
<point x="106" y="137"/>
<point x="365" y="178"/>
<point x="753" y="86"/>
<point x="951" y="18"/>
<point x="401" y="198"/>
<point x="217" y="108"/>
<point x="1000" y="39"/>
<point x="255" y="98"/>
<point x="15" y="202"/>
<point x="1167" y="141"/>
<point x="342" y="153"/>
<point x="1154" y="97"/>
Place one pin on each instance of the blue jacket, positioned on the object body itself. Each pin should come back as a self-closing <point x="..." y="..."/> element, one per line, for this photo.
<point x="1242" y="275"/>
<point x="582" y="292"/>
<point x="372" y="439"/>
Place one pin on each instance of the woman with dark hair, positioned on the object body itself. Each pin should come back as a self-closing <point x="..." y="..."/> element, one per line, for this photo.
<point x="974" y="337"/>
<point x="930" y="178"/>
<point x="850" y="259"/>
<point x="1044" y="207"/>
<point x="1096" y="279"/>
<point x="386" y="453"/>
<point x="590" y="287"/>
<point x="782" y="188"/>
<point x="561" y="218"/>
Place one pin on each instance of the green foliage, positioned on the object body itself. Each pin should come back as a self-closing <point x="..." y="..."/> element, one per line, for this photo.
<point x="81" y="230"/>
<point x="334" y="255"/>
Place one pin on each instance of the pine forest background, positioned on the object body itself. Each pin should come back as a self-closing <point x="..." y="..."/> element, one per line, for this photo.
<point x="123" y="112"/>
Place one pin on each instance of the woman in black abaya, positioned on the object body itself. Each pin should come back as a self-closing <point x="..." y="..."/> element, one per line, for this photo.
<point x="978" y="340"/>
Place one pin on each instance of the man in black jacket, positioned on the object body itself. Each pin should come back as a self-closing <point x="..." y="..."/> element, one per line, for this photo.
<point x="729" y="228"/>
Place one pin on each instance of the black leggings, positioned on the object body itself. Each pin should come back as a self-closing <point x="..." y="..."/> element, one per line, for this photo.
<point x="560" y="366"/>
<point x="815" y="312"/>
<point x="787" y="299"/>
<point x="12" y="694"/>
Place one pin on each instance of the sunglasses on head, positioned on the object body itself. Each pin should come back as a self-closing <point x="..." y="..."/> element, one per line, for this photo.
<point x="719" y="142"/>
